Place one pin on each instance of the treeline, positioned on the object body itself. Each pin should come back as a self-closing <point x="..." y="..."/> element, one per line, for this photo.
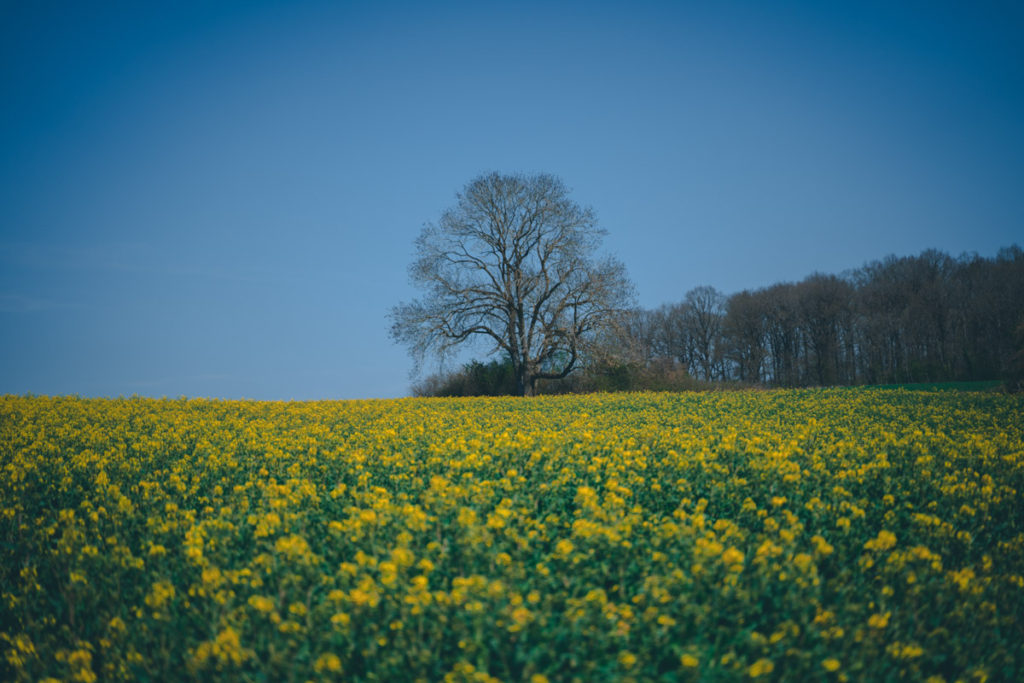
<point x="497" y="378"/>
<point x="926" y="318"/>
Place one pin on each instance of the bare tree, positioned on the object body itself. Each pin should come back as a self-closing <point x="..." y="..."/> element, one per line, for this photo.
<point x="745" y="334"/>
<point x="705" y="310"/>
<point x="784" y="336"/>
<point x="513" y="262"/>
<point x="673" y="340"/>
<point x="824" y="304"/>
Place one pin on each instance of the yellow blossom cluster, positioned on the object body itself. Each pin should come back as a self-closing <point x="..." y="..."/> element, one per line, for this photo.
<point x="824" y="534"/>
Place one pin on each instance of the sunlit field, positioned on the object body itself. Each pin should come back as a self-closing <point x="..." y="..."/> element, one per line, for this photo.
<point x="802" y="535"/>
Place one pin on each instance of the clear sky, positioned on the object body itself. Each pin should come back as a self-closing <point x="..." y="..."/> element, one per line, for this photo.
<point x="220" y="199"/>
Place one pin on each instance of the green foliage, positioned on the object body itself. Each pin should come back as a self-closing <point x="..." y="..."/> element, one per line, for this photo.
<point x="494" y="378"/>
<point x="497" y="378"/>
<point x="988" y="385"/>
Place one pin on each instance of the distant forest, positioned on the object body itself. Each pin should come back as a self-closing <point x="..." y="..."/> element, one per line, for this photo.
<point x="926" y="318"/>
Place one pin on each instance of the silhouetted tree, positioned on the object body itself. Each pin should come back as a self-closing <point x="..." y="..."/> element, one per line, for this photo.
<point x="513" y="262"/>
<point x="704" y="309"/>
<point x="919" y="318"/>
<point x="784" y="335"/>
<point x="745" y="334"/>
<point x="824" y="303"/>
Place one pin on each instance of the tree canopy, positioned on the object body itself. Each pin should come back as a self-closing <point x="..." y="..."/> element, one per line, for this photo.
<point x="514" y="262"/>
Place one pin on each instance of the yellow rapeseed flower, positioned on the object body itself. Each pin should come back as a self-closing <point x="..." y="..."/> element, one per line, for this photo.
<point x="327" y="662"/>
<point x="879" y="621"/>
<point x="261" y="603"/>
<point x="884" y="541"/>
<point x="761" y="667"/>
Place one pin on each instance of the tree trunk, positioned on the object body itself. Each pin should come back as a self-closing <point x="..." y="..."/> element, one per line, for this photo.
<point x="526" y="377"/>
<point x="523" y="383"/>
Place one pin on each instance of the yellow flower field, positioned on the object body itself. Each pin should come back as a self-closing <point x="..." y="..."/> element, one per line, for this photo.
<point x="846" y="534"/>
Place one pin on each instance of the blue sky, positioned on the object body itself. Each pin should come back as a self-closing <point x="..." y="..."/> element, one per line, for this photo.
<point x="220" y="199"/>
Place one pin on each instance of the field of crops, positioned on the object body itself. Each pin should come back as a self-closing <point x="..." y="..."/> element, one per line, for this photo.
<point x="801" y="535"/>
